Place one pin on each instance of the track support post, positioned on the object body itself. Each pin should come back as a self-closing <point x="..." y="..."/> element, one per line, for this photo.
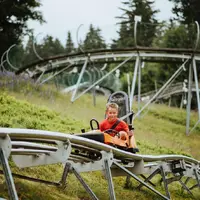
<point x="5" y="149"/>
<point x="197" y="177"/>
<point x="139" y="180"/>
<point x="185" y="187"/>
<point x="64" y="175"/>
<point x="164" y="181"/>
<point x="84" y="184"/>
<point x="69" y="168"/>
<point x="149" y="178"/>
<point x="109" y="178"/>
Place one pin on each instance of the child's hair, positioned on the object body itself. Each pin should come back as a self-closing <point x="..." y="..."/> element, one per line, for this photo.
<point x="112" y="105"/>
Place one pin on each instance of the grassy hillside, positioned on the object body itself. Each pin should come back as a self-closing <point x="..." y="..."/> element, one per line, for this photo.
<point x="160" y="131"/>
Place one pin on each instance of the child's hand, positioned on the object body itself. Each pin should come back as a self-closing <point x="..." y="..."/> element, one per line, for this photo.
<point x="123" y="135"/>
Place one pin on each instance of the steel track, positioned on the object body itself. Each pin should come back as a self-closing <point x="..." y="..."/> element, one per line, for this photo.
<point x="38" y="147"/>
<point x="51" y="64"/>
<point x="112" y="52"/>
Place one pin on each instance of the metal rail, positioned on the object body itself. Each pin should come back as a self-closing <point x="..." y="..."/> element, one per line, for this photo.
<point x="102" y="57"/>
<point x="112" y="51"/>
<point x="57" y="136"/>
<point x="83" y="155"/>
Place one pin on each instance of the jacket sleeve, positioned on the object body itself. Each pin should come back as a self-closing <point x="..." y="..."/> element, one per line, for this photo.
<point x="125" y="126"/>
<point x="101" y="126"/>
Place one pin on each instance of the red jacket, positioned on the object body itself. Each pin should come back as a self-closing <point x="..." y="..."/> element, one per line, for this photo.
<point x="122" y="126"/>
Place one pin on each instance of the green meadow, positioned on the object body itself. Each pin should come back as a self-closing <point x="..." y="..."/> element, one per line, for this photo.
<point x="158" y="130"/>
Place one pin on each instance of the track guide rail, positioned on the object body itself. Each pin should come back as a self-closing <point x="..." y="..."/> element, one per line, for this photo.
<point x="80" y="154"/>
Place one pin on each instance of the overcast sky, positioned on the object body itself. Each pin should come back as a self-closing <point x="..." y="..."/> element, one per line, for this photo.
<point x="67" y="15"/>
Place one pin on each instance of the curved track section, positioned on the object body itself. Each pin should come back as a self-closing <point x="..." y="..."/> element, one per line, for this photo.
<point x="37" y="147"/>
<point x="108" y="56"/>
<point x="96" y="61"/>
<point x="174" y="89"/>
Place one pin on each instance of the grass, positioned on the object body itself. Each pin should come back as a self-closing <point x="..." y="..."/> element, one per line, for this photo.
<point x="160" y="131"/>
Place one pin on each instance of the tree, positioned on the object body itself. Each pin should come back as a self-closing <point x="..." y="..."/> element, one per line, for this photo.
<point x="14" y="15"/>
<point x="51" y="47"/>
<point x="29" y="54"/>
<point x="48" y="47"/>
<point x="177" y="36"/>
<point x="124" y="39"/>
<point x="94" y="39"/>
<point x="146" y="29"/>
<point x="69" y="43"/>
<point x="186" y="11"/>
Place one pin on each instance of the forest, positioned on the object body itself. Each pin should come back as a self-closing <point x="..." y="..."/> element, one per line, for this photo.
<point x="179" y="32"/>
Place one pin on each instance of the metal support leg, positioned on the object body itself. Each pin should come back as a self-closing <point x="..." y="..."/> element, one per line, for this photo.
<point x="189" y="100"/>
<point x="164" y="181"/>
<point x="100" y="80"/>
<point x="144" y="177"/>
<point x="8" y="176"/>
<point x="33" y="179"/>
<point x="134" y="81"/>
<point x="196" y="85"/>
<point x="173" y="179"/>
<point x="79" y="80"/>
<point x="185" y="187"/>
<point x="197" y="178"/>
<point x="149" y="178"/>
<point x="187" y="180"/>
<point x="110" y="182"/>
<point x="50" y="77"/>
<point x="87" y="188"/>
<point x="37" y="81"/>
<point x="194" y="186"/>
<point x="65" y="174"/>
<point x="162" y="88"/>
<point x="139" y="87"/>
<point x="181" y="104"/>
<point x="139" y="180"/>
<point x="128" y="182"/>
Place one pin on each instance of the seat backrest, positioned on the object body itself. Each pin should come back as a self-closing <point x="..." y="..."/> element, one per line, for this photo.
<point x="122" y="99"/>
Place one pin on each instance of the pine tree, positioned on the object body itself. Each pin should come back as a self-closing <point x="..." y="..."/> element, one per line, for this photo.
<point x="29" y="54"/>
<point x="187" y="12"/>
<point x="51" y="47"/>
<point x="69" y="48"/>
<point x="146" y="30"/>
<point x="124" y="39"/>
<point x="48" y="47"/>
<point x="94" y="39"/>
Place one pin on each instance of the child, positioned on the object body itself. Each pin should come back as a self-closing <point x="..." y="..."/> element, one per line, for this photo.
<point x="112" y="122"/>
<point x="112" y="119"/>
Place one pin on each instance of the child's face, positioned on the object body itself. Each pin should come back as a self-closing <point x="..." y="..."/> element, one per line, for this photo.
<point x="112" y="114"/>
